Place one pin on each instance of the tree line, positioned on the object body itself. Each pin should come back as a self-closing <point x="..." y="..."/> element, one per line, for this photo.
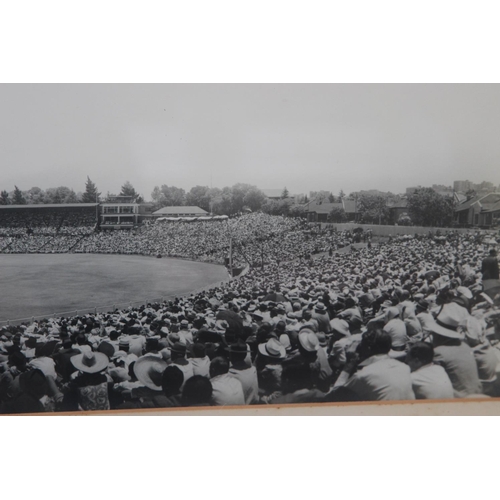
<point x="425" y="207"/>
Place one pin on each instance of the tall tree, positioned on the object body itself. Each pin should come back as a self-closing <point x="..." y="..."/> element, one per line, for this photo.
<point x="59" y="195"/>
<point x="285" y="193"/>
<point x="337" y="214"/>
<point x="4" y="198"/>
<point x="199" y="196"/>
<point x="428" y="208"/>
<point x="128" y="190"/>
<point x="91" y="195"/>
<point x="373" y="209"/>
<point x="254" y="198"/>
<point x="35" y="195"/>
<point x="18" y="197"/>
<point x="222" y="202"/>
<point x="172" y="196"/>
<point x="319" y="196"/>
<point x="156" y="197"/>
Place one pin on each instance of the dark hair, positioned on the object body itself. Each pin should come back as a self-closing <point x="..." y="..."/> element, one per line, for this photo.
<point x="172" y="380"/>
<point x="17" y="359"/>
<point x="349" y="302"/>
<point x="423" y="351"/>
<point x="297" y="376"/>
<point x="197" y="391"/>
<point x="375" y="342"/>
<point x="237" y="357"/>
<point x="219" y="366"/>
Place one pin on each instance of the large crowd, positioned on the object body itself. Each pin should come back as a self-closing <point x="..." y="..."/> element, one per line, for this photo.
<point x="413" y="318"/>
<point x="45" y="231"/>
<point x="255" y="239"/>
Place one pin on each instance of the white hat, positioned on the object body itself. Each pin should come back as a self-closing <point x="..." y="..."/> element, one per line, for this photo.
<point x="272" y="349"/>
<point x="309" y="340"/>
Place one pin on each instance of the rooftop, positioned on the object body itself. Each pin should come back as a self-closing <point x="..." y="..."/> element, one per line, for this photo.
<point x="51" y="205"/>
<point x="180" y="210"/>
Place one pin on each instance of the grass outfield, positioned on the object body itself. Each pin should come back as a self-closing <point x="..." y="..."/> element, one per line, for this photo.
<point x="41" y="285"/>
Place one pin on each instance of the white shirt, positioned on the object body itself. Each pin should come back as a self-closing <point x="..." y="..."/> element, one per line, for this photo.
<point x="431" y="382"/>
<point x="227" y="390"/>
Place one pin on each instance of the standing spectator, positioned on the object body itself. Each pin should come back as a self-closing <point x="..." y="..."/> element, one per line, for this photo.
<point x="489" y="266"/>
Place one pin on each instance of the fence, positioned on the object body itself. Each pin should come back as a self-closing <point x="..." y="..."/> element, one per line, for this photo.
<point x="395" y="230"/>
<point x="116" y="306"/>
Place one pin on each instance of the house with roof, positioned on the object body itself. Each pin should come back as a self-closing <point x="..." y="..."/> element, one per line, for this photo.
<point x="397" y="209"/>
<point x="318" y="211"/>
<point x="479" y="211"/>
<point x="180" y="212"/>
<point x="351" y="209"/>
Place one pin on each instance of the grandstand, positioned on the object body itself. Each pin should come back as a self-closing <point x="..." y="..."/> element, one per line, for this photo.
<point x="31" y="228"/>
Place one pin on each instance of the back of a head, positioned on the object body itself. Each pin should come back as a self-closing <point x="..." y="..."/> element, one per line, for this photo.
<point x="375" y="341"/>
<point x="17" y="359"/>
<point x="172" y="380"/>
<point x="197" y="391"/>
<point x="218" y="366"/>
<point x="297" y="376"/>
<point x="423" y="351"/>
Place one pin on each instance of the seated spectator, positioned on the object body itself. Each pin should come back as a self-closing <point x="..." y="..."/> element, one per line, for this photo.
<point x="429" y="381"/>
<point x="197" y="391"/>
<point x="227" y="390"/>
<point x="240" y="370"/>
<point x="200" y="360"/>
<point x="373" y="375"/>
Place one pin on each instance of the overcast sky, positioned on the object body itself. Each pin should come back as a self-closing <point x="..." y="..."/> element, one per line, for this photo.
<point x="305" y="137"/>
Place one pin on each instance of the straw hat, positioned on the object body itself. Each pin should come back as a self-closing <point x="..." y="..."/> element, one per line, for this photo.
<point x="308" y="340"/>
<point x="272" y="349"/>
<point x="149" y="370"/>
<point x="90" y="362"/>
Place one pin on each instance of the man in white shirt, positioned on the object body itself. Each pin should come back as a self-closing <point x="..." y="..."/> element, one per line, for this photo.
<point x="429" y="381"/>
<point x="226" y="389"/>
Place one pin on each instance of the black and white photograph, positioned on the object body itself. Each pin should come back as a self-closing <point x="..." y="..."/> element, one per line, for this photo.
<point x="198" y="246"/>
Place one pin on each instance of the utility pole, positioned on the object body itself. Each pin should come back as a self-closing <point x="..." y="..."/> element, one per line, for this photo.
<point x="231" y="255"/>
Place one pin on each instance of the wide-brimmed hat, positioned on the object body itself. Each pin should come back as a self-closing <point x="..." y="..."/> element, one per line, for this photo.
<point x="239" y="347"/>
<point x="272" y="349"/>
<point x="430" y="325"/>
<point x="451" y="315"/>
<point x="149" y="370"/>
<point x="90" y="362"/>
<point x="320" y="307"/>
<point x="285" y="342"/>
<point x="178" y="348"/>
<point x="323" y="341"/>
<point x="474" y="330"/>
<point x="308" y="340"/>
<point x="173" y="339"/>
<point x="340" y="326"/>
